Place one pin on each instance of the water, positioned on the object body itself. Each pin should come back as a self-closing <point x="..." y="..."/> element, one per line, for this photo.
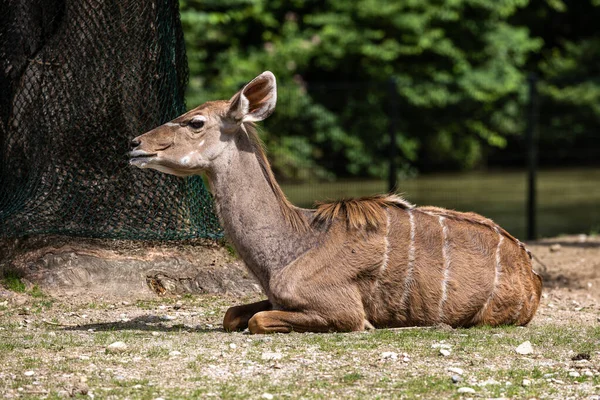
<point x="568" y="199"/>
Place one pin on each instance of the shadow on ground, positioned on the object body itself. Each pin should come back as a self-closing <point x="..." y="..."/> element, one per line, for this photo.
<point x="146" y="323"/>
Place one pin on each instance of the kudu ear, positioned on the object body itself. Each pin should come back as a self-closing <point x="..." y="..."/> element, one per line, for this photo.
<point x="256" y="101"/>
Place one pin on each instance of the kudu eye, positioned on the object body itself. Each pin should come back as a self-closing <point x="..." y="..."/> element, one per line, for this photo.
<point x="196" y="122"/>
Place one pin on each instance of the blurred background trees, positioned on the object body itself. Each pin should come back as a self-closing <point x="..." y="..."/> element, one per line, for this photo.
<point x="459" y="68"/>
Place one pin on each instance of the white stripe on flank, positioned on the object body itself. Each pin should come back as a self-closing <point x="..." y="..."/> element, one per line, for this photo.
<point x="411" y="260"/>
<point x="497" y="272"/>
<point x="386" y="242"/>
<point x="446" y="259"/>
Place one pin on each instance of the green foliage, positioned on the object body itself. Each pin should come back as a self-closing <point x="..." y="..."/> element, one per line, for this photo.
<point x="569" y="73"/>
<point x="12" y="281"/>
<point x="459" y="68"/>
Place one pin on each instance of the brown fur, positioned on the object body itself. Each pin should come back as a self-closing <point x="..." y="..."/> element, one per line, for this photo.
<point x="365" y="212"/>
<point x="350" y="264"/>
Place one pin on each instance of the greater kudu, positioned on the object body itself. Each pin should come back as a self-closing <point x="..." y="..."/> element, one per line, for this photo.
<point x="348" y="265"/>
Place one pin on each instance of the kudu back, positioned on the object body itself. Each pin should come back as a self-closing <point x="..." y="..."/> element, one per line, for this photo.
<point x="348" y="265"/>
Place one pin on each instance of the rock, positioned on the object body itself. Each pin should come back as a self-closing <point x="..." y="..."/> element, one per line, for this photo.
<point x="232" y="345"/>
<point x="456" y="379"/>
<point x="555" y="247"/>
<point x="445" y="352"/>
<point x="389" y="355"/>
<point x="154" y="333"/>
<point x="574" y="374"/>
<point x="587" y="372"/>
<point x="271" y="356"/>
<point x="29" y="373"/>
<point x="456" y="370"/>
<point x="116" y="347"/>
<point x="267" y="396"/>
<point x="581" y="356"/>
<point x="524" y="348"/>
<point x="466" y="390"/>
<point x="174" y="353"/>
<point x="526" y="382"/>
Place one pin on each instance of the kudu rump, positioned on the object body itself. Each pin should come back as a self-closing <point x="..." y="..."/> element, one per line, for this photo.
<point x="347" y="265"/>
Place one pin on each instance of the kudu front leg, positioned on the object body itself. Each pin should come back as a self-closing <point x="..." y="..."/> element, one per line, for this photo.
<point x="279" y="321"/>
<point x="236" y="318"/>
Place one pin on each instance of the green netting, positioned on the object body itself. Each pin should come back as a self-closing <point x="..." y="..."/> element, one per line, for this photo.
<point x="78" y="80"/>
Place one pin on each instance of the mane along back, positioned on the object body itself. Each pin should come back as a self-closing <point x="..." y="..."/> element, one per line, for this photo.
<point x="359" y="213"/>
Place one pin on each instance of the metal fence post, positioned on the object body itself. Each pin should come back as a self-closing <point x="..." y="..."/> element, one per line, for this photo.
<point x="393" y="151"/>
<point x="532" y="156"/>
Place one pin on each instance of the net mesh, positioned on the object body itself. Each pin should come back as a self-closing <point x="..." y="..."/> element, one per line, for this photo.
<point x="78" y="80"/>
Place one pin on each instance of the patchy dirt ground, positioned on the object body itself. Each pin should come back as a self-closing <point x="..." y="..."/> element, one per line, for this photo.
<point x="173" y="346"/>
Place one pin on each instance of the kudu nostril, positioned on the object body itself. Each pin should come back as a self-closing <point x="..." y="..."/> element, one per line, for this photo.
<point x="135" y="143"/>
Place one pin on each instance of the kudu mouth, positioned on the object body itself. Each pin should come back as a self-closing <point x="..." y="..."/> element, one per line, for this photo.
<point x="140" y="158"/>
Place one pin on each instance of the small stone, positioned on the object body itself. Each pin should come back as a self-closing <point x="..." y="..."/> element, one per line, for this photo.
<point x="29" y="373"/>
<point x="116" y="347"/>
<point x="53" y="334"/>
<point x="581" y="357"/>
<point x="389" y="355"/>
<point x="555" y="247"/>
<point x="582" y="238"/>
<point x="456" y="370"/>
<point x="456" y="379"/>
<point x="125" y="303"/>
<point x="267" y="396"/>
<point x="174" y="353"/>
<point x="588" y="373"/>
<point x="154" y="333"/>
<point x="445" y="352"/>
<point x="526" y="382"/>
<point x="167" y="317"/>
<point x="271" y="356"/>
<point x="574" y="374"/>
<point x="524" y="348"/>
<point x="487" y="382"/>
<point x="232" y="345"/>
<point x="466" y="390"/>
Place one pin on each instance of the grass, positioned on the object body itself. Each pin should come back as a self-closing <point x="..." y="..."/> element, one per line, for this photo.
<point x="13" y="282"/>
<point x="311" y="366"/>
<point x="567" y="199"/>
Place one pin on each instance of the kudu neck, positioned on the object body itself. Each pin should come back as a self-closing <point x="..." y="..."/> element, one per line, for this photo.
<point x="251" y="211"/>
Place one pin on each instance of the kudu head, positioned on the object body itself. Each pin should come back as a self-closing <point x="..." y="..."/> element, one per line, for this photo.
<point x="190" y="143"/>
